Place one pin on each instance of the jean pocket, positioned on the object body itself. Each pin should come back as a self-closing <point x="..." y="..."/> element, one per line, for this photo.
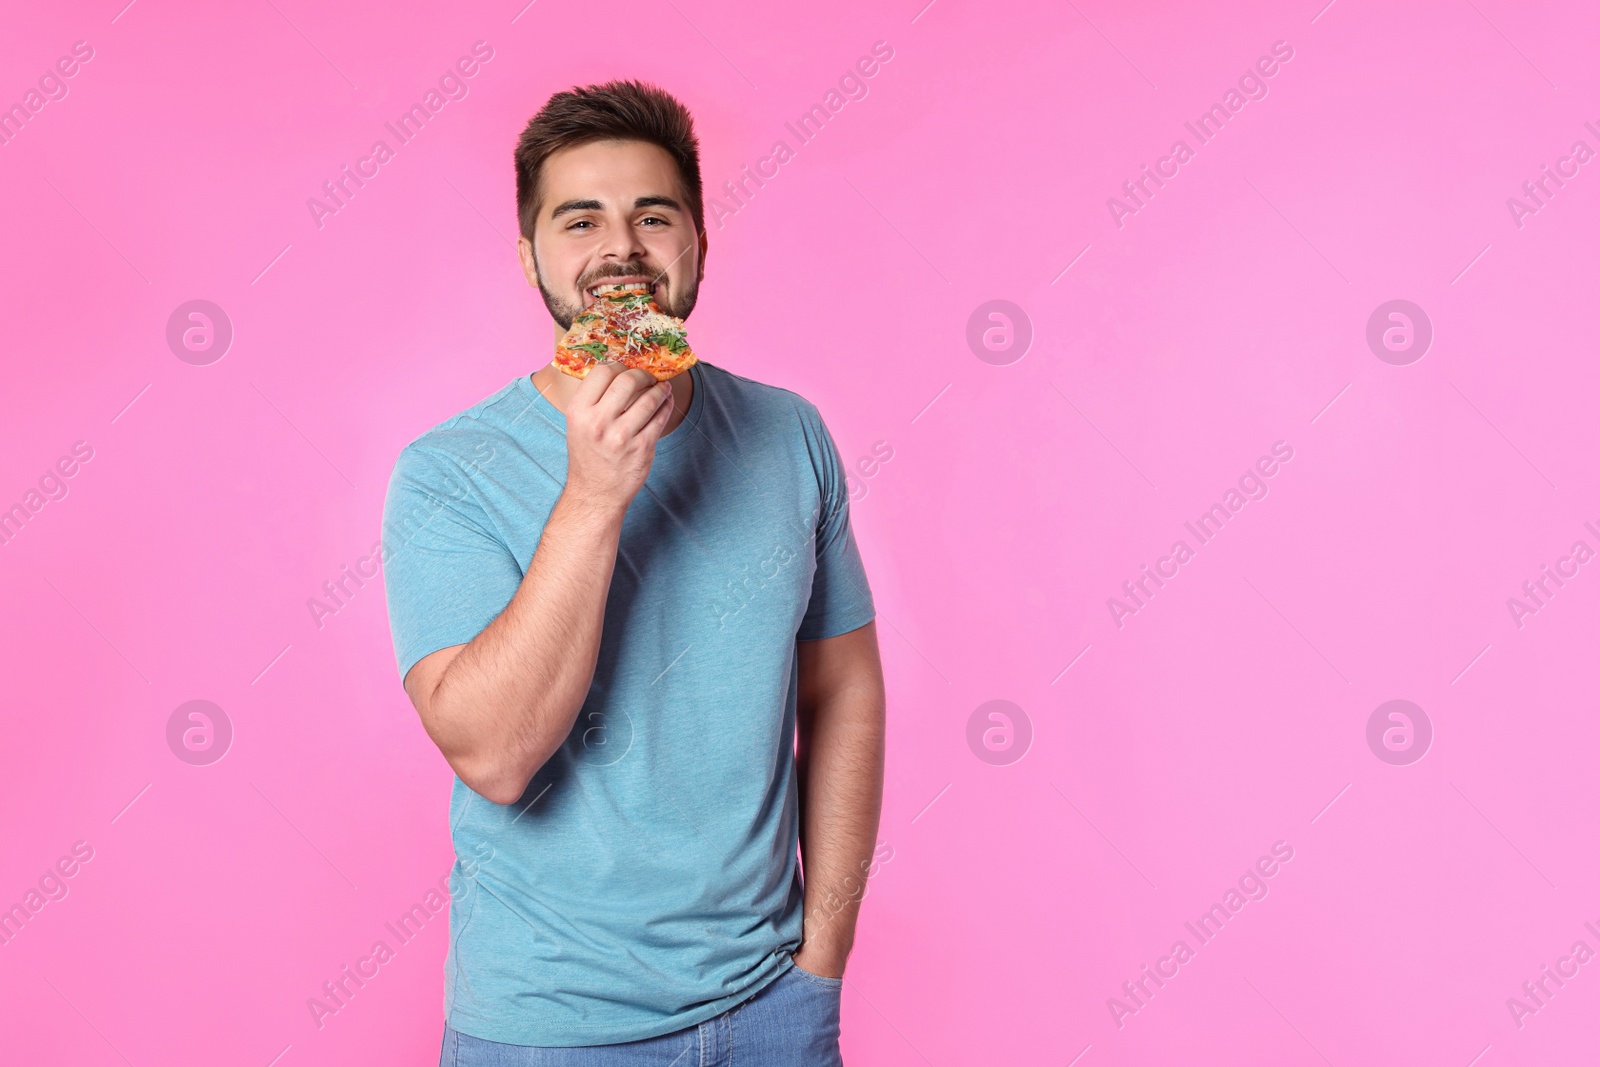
<point x="825" y="982"/>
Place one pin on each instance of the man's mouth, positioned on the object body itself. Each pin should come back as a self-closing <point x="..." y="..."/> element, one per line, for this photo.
<point x="634" y="282"/>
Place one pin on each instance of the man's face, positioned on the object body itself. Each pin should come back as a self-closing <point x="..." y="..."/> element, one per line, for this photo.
<point x="609" y="212"/>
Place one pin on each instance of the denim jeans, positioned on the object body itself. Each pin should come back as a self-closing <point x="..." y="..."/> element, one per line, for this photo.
<point x="792" y="1022"/>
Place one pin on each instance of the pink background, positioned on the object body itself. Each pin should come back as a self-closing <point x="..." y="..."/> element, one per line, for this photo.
<point x="1227" y="314"/>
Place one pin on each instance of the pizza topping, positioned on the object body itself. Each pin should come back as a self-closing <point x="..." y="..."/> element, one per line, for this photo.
<point x="625" y="325"/>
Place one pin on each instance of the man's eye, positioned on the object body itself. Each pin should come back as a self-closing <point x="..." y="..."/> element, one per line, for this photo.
<point x="654" y="218"/>
<point x="580" y="222"/>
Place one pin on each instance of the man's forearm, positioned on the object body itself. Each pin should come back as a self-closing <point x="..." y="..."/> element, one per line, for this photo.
<point x="509" y="699"/>
<point x="842" y="742"/>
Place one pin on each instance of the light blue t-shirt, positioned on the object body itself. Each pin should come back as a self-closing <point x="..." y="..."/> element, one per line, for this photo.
<point x="648" y="878"/>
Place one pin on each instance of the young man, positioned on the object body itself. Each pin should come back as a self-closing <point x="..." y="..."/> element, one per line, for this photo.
<point x="615" y="604"/>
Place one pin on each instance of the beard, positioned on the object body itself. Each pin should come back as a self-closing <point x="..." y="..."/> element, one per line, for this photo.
<point x="564" y="310"/>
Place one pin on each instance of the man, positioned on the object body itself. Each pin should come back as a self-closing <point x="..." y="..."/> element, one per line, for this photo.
<point x="633" y="618"/>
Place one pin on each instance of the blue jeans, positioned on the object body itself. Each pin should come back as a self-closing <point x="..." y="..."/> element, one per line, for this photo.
<point x="792" y="1022"/>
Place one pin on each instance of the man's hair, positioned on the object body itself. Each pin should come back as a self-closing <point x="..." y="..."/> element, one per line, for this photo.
<point x="615" y="111"/>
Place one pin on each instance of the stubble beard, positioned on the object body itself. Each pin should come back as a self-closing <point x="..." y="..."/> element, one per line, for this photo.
<point x="564" y="311"/>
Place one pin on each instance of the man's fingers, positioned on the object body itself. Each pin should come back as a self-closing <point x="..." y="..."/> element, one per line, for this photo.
<point x="594" y="384"/>
<point x="657" y="425"/>
<point x="645" y="410"/>
<point x="596" y="381"/>
<point x="600" y="383"/>
<point x="623" y="390"/>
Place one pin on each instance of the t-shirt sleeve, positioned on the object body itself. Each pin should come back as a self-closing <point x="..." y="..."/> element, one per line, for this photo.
<point x="841" y="600"/>
<point x="446" y="573"/>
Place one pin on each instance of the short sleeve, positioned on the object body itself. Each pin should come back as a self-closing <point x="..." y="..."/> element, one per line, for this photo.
<point x="841" y="600"/>
<point x="446" y="574"/>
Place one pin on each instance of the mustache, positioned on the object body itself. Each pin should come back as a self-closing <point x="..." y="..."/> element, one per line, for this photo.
<point x="618" y="271"/>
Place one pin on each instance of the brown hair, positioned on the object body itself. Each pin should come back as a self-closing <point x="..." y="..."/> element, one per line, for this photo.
<point x="615" y="111"/>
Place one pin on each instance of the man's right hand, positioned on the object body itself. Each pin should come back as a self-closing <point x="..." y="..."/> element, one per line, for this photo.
<point x="613" y="423"/>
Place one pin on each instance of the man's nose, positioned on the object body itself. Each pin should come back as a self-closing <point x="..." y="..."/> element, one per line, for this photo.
<point x="622" y="244"/>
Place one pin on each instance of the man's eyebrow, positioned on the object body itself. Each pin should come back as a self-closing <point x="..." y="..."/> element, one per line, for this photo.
<point x="576" y="205"/>
<point x="657" y="201"/>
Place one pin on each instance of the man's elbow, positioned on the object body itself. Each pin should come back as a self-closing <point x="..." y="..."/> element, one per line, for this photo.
<point x="488" y="762"/>
<point x="504" y="795"/>
<point x="498" y="785"/>
<point x="482" y="772"/>
<point x="493" y="776"/>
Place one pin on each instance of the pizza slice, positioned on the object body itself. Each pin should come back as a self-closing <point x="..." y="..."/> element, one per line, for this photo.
<point x="625" y="326"/>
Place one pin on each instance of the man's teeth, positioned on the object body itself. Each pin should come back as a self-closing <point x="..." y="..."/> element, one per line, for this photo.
<point x="622" y="286"/>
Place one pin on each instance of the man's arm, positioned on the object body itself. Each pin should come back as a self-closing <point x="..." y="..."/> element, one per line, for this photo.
<point x="841" y="740"/>
<point x="500" y="705"/>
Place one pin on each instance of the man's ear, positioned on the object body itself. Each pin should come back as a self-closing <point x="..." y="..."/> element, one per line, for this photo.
<point x="530" y="268"/>
<point x="702" y="275"/>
